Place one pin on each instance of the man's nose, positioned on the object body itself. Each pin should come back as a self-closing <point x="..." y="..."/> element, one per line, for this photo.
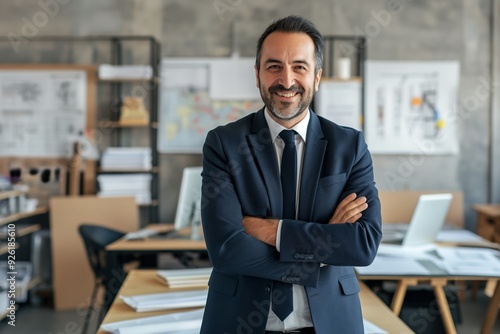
<point x="287" y="78"/>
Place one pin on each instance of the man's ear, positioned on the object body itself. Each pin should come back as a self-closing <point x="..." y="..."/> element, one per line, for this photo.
<point x="317" y="80"/>
<point x="257" y="81"/>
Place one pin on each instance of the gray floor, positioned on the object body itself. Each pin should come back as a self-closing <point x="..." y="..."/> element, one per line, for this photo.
<point x="44" y="320"/>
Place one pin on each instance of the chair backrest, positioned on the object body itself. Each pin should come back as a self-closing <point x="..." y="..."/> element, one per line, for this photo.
<point x="95" y="239"/>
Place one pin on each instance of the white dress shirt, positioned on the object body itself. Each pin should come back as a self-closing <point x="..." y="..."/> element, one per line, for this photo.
<point x="300" y="316"/>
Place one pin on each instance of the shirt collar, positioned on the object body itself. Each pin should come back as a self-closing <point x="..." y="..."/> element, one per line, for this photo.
<point x="275" y="128"/>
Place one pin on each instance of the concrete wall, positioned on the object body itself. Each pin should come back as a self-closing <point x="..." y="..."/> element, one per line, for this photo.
<point x="396" y="30"/>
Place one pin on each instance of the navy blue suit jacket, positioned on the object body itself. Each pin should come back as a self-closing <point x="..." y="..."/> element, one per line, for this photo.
<point x="241" y="178"/>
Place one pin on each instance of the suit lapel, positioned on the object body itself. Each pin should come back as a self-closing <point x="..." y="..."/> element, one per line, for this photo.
<point x="265" y="158"/>
<point x="311" y="168"/>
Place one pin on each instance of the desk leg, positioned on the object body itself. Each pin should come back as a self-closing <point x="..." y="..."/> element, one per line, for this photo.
<point x="399" y="296"/>
<point x="492" y="312"/>
<point x="444" y="307"/>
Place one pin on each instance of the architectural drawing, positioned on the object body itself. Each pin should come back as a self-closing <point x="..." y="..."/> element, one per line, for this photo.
<point x="409" y="105"/>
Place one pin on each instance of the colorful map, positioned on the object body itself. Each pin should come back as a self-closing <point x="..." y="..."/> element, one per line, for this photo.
<point x="186" y="116"/>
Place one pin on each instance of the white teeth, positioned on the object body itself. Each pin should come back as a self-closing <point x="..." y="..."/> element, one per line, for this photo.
<point x="286" y="95"/>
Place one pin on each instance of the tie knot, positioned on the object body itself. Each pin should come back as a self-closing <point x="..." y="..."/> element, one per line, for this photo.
<point x="288" y="136"/>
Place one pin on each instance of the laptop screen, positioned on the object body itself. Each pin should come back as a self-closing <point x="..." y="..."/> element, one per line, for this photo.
<point x="427" y="220"/>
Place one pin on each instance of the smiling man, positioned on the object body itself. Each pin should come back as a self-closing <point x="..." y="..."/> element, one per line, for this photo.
<point x="289" y="204"/>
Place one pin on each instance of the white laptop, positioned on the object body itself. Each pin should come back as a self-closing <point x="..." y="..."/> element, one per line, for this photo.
<point x="427" y="220"/>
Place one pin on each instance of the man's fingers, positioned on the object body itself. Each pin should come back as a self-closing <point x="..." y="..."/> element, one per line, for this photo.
<point x="349" y="210"/>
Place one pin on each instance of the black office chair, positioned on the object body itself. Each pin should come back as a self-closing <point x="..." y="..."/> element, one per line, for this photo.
<point x="96" y="238"/>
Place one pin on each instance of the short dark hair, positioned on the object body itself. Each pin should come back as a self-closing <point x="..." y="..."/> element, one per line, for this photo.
<point x="294" y="23"/>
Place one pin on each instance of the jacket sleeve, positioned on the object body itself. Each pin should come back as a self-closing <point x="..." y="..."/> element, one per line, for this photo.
<point x="349" y="244"/>
<point x="230" y="249"/>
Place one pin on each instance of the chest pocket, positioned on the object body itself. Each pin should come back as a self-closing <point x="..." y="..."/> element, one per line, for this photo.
<point x="332" y="179"/>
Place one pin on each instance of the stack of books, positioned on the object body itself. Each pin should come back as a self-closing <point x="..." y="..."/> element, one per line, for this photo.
<point x="126" y="158"/>
<point x="120" y="185"/>
<point x="185" y="278"/>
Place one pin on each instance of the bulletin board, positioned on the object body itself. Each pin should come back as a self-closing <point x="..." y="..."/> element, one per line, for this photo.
<point x="43" y="109"/>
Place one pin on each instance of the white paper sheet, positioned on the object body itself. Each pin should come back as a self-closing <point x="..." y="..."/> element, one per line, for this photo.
<point x="174" y="323"/>
<point x="386" y="265"/>
<point x="41" y="112"/>
<point x="470" y="261"/>
<point x="340" y="102"/>
<point x="371" y="328"/>
<point x="166" y="301"/>
<point x="458" y="235"/>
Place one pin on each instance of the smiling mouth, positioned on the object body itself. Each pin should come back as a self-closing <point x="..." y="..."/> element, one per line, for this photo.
<point x="287" y="95"/>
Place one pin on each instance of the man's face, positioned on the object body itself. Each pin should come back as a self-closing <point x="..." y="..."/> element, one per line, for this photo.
<point x="286" y="76"/>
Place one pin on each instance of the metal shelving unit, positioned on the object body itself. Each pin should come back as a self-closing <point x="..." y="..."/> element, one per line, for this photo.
<point x="353" y="47"/>
<point x="117" y="56"/>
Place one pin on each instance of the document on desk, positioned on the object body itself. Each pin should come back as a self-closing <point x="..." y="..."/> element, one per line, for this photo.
<point x="391" y="265"/>
<point x="458" y="235"/>
<point x="470" y="261"/>
<point x="174" y="323"/>
<point x="184" y="278"/>
<point x="166" y="301"/>
<point x="371" y="328"/>
<point x="141" y="234"/>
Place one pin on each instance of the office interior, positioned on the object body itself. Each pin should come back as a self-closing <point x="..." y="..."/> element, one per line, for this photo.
<point x="84" y="35"/>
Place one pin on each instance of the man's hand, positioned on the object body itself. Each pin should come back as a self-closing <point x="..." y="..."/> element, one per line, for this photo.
<point x="262" y="229"/>
<point x="349" y="210"/>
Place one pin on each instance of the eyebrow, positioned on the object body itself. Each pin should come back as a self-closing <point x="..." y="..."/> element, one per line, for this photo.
<point x="299" y="61"/>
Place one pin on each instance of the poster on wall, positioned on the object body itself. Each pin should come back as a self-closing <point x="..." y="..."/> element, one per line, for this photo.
<point x="41" y="112"/>
<point x="340" y="102"/>
<point x="195" y="98"/>
<point x="411" y="107"/>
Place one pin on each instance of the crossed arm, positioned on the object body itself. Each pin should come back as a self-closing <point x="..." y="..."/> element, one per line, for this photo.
<point x="349" y="210"/>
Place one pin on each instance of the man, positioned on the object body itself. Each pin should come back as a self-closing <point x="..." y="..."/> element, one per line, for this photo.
<point x="285" y="222"/>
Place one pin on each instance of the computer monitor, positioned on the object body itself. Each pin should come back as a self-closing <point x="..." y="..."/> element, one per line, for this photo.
<point x="189" y="203"/>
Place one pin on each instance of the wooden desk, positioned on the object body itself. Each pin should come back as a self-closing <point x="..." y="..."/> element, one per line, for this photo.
<point x="488" y="221"/>
<point x="145" y="281"/>
<point x="438" y="283"/>
<point x="114" y="272"/>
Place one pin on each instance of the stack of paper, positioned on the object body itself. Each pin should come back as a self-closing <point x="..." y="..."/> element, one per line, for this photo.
<point x="119" y="185"/>
<point x="126" y="158"/>
<point x="470" y="261"/>
<point x="173" y="323"/>
<point x="388" y="265"/>
<point x="183" y="278"/>
<point x="460" y="261"/>
<point x="166" y="301"/>
<point x="124" y="72"/>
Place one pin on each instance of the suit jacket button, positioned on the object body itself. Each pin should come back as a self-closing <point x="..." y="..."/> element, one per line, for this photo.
<point x="284" y="278"/>
<point x="296" y="256"/>
<point x="268" y="289"/>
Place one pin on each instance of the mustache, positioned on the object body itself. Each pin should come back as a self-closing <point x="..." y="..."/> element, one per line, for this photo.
<point x="281" y="88"/>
